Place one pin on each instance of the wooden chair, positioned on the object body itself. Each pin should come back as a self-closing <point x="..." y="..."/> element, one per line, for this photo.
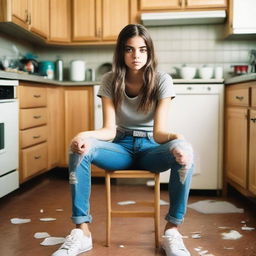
<point x="155" y="213"/>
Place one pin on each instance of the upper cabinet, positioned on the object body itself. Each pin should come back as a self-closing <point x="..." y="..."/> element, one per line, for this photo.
<point x="241" y="18"/>
<point x="32" y="15"/>
<point x="99" y="20"/>
<point x="39" y="17"/>
<point x="60" y="17"/>
<point x="167" y="5"/>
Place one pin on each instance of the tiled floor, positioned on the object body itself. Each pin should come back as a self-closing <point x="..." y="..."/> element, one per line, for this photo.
<point x="130" y="236"/>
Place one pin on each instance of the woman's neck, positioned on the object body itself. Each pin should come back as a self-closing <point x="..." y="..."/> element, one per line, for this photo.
<point x="133" y="83"/>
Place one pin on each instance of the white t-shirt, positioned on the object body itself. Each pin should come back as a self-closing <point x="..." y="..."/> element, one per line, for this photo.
<point x="127" y="116"/>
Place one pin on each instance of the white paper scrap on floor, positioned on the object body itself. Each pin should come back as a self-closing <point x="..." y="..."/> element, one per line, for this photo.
<point x="213" y="206"/>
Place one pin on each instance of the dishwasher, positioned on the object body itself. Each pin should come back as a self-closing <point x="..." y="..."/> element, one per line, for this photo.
<point x="197" y="113"/>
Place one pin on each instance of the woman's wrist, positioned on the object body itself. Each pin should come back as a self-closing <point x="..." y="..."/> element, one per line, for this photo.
<point x="174" y="136"/>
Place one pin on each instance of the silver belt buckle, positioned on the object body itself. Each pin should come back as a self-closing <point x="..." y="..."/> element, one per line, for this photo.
<point x="139" y="134"/>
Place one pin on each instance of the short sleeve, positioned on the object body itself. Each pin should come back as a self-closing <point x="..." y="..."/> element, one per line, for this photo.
<point x="165" y="86"/>
<point x="106" y="86"/>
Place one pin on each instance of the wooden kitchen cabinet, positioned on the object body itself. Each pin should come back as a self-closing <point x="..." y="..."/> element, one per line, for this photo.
<point x="33" y="130"/>
<point x="54" y="125"/>
<point x="167" y="5"/>
<point x="78" y="116"/>
<point x="100" y="20"/>
<point x="240" y="137"/>
<point x="32" y="15"/>
<point x="60" y="21"/>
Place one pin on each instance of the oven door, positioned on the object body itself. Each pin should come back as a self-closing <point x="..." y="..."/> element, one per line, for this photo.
<point x="8" y="136"/>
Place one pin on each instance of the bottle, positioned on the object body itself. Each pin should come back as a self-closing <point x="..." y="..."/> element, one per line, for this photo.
<point x="59" y="69"/>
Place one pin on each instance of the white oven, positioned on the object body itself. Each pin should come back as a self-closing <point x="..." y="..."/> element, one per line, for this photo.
<point x="9" y="140"/>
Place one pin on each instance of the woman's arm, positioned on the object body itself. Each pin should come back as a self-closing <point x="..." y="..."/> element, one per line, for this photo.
<point x="108" y="131"/>
<point x="80" y="145"/>
<point x="161" y="129"/>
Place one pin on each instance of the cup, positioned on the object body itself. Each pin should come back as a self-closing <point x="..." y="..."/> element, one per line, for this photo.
<point x="218" y="74"/>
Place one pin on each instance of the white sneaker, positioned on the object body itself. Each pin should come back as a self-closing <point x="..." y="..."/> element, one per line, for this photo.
<point x="74" y="244"/>
<point x="173" y="243"/>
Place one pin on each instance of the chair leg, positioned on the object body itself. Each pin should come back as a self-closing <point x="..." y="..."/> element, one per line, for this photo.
<point x="108" y="195"/>
<point x="157" y="210"/>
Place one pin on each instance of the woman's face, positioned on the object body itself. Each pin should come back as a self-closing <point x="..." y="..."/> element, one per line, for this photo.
<point x="135" y="55"/>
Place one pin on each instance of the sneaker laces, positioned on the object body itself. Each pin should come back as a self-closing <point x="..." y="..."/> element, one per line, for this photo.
<point x="71" y="243"/>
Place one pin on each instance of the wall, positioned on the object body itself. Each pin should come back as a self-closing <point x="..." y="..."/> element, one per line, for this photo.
<point x="175" y="45"/>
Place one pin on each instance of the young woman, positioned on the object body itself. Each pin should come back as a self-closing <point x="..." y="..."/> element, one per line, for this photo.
<point x="136" y="101"/>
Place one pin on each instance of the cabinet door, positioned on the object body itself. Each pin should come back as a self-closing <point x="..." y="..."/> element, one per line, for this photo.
<point x="53" y="123"/>
<point x="78" y="112"/>
<point x="236" y="145"/>
<point x="60" y="20"/>
<point x="39" y="17"/>
<point x="205" y="3"/>
<point x="116" y="15"/>
<point x="252" y="152"/>
<point x="86" y="24"/>
<point x="160" y="4"/>
<point x="20" y="12"/>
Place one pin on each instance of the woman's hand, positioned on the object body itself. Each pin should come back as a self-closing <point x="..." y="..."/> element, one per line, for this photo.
<point x="80" y="145"/>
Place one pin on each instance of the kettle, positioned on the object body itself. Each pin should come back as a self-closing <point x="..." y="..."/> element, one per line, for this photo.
<point x="77" y="70"/>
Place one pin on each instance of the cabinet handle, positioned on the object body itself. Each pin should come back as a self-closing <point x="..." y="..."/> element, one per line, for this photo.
<point x="186" y="2"/>
<point x="180" y="3"/>
<point x="37" y="157"/>
<point x="189" y="88"/>
<point x="239" y="97"/>
<point x="29" y="19"/>
<point x="36" y="137"/>
<point x="37" y="117"/>
<point x="37" y="95"/>
<point x="253" y="119"/>
<point x="26" y="13"/>
<point x="209" y="88"/>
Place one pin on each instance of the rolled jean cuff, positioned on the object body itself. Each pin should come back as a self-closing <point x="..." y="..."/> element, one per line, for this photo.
<point x="173" y="220"/>
<point x="81" y="219"/>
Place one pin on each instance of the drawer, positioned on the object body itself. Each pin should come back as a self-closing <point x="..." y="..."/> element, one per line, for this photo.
<point x="33" y="136"/>
<point x="33" y="160"/>
<point x="253" y="97"/>
<point x="32" y="117"/>
<point x="31" y="96"/>
<point x="238" y="96"/>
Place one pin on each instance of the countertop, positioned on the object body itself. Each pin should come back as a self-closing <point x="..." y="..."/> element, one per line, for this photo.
<point x="241" y="78"/>
<point x="40" y="79"/>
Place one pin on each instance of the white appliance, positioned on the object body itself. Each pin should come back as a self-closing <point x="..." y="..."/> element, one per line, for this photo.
<point x="9" y="141"/>
<point x="77" y="70"/>
<point x="197" y="113"/>
<point x="98" y="119"/>
<point x="183" y="18"/>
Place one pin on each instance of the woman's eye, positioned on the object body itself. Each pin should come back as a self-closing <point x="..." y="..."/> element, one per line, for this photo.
<point x="128" y="50"/>
<point x="143" y="50"/>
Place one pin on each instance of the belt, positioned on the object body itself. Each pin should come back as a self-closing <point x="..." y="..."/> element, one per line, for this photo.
<point x="136" y="133"/>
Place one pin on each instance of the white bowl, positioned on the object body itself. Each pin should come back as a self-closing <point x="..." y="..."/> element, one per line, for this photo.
<point x="206" y="72"/>
<point x="187" y="72"/>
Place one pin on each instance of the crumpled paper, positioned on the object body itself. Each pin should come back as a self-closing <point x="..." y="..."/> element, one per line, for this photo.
<point x="53" y="241"/>
<point x="19" y="220"/>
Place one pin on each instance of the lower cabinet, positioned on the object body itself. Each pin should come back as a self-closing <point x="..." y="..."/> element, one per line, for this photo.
<point x="33" y="160"/>
<point x="50" y="116"/>
<point x="240" y="137"/>
<point x="77" y="104"/>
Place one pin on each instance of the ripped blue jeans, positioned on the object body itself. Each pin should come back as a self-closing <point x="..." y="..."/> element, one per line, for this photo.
<point x="127" y="152"/>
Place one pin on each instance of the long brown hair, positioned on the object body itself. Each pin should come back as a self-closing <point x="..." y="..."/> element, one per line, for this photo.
<point x="148" y="89"/>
